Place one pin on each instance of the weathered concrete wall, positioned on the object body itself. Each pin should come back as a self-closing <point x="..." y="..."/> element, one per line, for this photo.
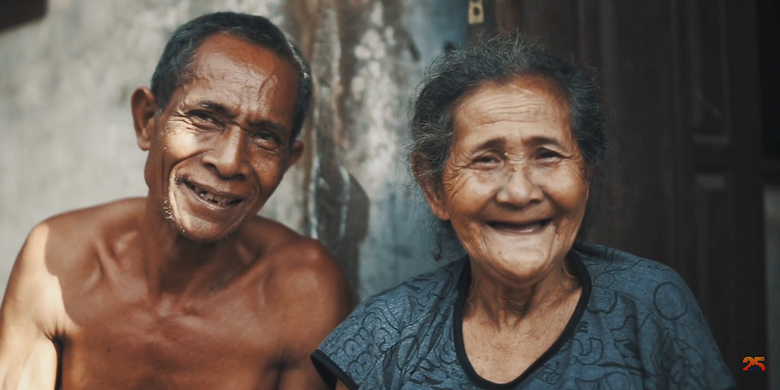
<point x="68" y="142"/>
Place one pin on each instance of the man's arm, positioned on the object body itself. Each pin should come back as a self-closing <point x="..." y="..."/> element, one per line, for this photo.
<point x="320" y="302"/>
<point x="28" y="357"/>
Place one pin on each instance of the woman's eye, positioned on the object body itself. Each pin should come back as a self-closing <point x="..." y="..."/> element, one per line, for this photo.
<point x="548" y="155"/>
<point x="487" y="159"/>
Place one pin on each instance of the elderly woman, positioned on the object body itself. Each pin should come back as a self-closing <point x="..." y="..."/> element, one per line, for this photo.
<point x="507" y="141"/>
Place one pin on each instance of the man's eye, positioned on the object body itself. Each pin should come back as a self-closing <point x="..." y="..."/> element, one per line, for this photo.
<point x="265" y="137"/>
<point x="203" y="116"/>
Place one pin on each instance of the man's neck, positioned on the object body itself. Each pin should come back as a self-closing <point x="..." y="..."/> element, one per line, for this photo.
<point x="177" y="265"/>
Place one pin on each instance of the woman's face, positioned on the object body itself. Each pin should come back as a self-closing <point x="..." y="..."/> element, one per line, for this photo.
<point x="515" y="183"/>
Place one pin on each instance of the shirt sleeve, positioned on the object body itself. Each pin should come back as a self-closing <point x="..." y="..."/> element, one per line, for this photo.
<point x="355" y="352"/>
<point x="677" y="346"/>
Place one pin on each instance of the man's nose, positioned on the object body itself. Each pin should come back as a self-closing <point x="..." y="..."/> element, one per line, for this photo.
<point x="229" y="154"/>
<point x="518" y="188"/>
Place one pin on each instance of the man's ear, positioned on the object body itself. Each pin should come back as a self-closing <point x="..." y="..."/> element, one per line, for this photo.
<point x="144" y="108"/>
<point x="432" y="192"/>
<point x="296" y="151"/>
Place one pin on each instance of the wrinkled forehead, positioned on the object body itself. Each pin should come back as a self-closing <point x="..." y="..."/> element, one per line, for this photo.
<point x="237" y="72"/>
<point x="515" y="102"/>
<point x="236" y="48"/>
<point x="537" y="95"/>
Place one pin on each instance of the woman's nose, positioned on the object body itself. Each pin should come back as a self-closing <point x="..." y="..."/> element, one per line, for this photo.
<point x="518" y="188"/>
<point x="228" y="156"/>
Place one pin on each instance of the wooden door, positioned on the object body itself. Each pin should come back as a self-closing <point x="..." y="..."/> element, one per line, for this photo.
<point x="682" y="79"/>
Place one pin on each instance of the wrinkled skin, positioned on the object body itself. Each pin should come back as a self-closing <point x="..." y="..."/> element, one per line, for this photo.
<point x="227" y="131"/>
<point x="187" y="288"/>
<point x="514" y="188"/>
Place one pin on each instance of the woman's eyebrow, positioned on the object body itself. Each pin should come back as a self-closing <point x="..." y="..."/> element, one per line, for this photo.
<point x="541" y="140"/>
<point x="534" y="141"/>
<point x="493" y="143"/>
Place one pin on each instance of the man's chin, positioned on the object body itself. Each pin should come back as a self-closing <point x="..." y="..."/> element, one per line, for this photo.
<point x="204" y="232"/>
<point x="202" y="223"/>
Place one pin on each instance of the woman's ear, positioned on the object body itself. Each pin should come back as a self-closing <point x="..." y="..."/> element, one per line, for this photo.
<point x="589" y="172"/>
<point x="432" y="191"/>
<point x="144" y="108"/>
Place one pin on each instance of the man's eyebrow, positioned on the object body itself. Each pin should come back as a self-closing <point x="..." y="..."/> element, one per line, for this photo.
<point x="216" y="107"/>
<point x="261" y="124"/>
<point x="276" y="127"/>
<point x="270" y="125"/>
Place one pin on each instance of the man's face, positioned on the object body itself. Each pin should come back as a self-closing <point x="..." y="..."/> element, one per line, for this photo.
<point x="223" y="143"/>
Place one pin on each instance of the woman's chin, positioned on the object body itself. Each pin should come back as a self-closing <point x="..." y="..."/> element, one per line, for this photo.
<point x="520" y="264"/>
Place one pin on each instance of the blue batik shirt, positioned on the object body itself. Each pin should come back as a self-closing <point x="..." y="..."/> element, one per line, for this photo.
<point x="636" y="326"/>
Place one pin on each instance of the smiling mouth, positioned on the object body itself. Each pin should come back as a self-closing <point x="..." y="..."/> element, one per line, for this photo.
<point x="520" y="228"/>
<point x="218" y="200"/>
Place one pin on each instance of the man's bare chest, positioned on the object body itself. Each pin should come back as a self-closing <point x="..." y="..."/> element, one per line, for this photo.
<point x="130" y="344"/>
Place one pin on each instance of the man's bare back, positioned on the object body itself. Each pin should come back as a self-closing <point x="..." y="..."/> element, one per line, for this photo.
<point x="186" y="288"/>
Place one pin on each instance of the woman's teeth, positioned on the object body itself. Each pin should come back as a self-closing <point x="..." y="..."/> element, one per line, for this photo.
<point x="519" y="228"/>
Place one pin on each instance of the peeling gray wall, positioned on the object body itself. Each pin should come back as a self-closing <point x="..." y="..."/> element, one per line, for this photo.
<point x="68" y="141"/>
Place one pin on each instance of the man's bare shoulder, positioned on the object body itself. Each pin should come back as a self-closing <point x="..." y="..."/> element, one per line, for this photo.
<point x="107" y="215"/>
<point x="281" y="247"/>
<point x="303" y="276"/>
<point x="65" y="240"/>
<point x="49" y="259"/>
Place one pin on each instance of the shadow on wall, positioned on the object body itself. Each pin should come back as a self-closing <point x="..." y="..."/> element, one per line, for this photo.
<point x="340" y="213"/>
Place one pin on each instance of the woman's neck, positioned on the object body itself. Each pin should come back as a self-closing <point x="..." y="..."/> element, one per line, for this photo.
<point x="504" y="303"/>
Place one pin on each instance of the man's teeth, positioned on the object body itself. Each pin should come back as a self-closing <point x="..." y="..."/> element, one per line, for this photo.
<point x="216" y="199"/>
<point x="220" y="200"/>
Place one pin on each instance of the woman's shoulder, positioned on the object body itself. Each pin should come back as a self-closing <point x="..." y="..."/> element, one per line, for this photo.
<point x="416" y="298"/>
<point x="404" y="317"/>
<point x="645" y="281"/>
<point x="617" y="267"/>
<point x="649" y="314"/>
<point x="399" y="310"/>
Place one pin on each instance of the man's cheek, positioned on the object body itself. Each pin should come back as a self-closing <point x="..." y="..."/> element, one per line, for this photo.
<point x="183" y="141"/>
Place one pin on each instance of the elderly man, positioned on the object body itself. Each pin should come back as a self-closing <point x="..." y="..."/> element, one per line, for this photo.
<point x="186" y="288"/>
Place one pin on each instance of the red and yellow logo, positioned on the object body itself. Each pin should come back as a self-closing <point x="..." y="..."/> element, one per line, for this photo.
<point x="753" y="363"/>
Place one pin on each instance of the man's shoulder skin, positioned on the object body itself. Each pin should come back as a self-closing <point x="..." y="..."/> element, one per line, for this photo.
<point x="80" y="285"/>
